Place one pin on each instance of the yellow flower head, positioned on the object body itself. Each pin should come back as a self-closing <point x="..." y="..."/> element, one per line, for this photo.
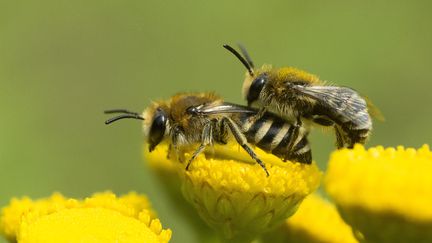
<point x="233" y="194"/>
<point x="384" y="193"/>
<point x="316" y="220"/>
<point x="100" y="218"/>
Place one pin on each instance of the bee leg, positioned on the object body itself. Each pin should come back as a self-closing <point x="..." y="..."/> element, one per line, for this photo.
<point x="322" y="120"/>
<point x="241" y="139"/>
<point x="169" y="151"/>
<point x="356" y="136"/>
<point x="221" y="133"/>
<point x="178" y="154"/>
<point x="261" y="112"/>
<point x="175" y="137"/>
<point x="340" y="143"/>
<point x="206" y="139"/>
<point x="195" y="154"/>
<point x="294" y="136"/>
<point x="257" y="116"/>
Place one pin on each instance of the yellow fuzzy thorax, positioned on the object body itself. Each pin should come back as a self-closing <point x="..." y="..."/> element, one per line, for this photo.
<point x="232" y="193"/>
<point x="100" y="218"/>
<point x="294" y="74"/>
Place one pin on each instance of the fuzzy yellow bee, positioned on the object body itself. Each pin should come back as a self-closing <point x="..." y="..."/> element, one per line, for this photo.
<point x="298" y="96"/>
<point x="189" y="119"/>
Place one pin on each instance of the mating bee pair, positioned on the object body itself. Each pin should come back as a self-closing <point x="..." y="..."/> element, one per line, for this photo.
<point x="296" y="96"/>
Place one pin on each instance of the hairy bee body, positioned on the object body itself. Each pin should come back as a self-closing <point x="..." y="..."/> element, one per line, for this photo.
<point x="309" y="98"/>
<point x="295" y="94"/>
<point x="204" y="118"/>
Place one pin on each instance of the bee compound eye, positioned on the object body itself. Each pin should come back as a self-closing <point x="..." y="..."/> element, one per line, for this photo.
<point x="157" y="129"/>
<point x="255" y="88"/>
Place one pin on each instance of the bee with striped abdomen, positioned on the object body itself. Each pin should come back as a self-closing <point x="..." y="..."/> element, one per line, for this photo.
<point x="204" y="118"/>
<point x="295" y="94"/>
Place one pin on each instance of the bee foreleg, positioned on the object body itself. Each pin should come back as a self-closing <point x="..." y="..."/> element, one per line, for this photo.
<point x="206" y="139"/>
<point x="176" y="135"/>
<point x="169" y="151"/>
<point x="241" y="139"/>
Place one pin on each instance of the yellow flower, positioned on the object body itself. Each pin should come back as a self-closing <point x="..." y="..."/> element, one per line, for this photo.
<point x="235" y="197"/>
<point x="100" y="218"/>
<point x="167" y="171"/>
<point x="316" y="220"/>
<point x="384" y="193"/>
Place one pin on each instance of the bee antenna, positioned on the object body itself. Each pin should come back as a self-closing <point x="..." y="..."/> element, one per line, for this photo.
<point x="245" y="53"/>
<point x="120" y="111"/>
<point x="111" y="120"/>
<point x="126" y="114"/>
<point x="241" y="58"/>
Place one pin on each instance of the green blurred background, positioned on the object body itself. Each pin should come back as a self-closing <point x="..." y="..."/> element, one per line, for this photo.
<point x="63" y="62"/>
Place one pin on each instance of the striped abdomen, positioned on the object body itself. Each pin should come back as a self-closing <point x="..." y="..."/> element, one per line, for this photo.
<point x="275" y="135"/>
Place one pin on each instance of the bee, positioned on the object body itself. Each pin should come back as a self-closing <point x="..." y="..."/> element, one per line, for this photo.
<point x="204" y="118"/>
<point x="298" y="95"/>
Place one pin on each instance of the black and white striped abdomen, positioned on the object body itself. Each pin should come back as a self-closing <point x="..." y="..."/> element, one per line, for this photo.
<point x="277" y="136"/>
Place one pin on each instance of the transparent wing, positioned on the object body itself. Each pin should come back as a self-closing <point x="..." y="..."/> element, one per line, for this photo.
<point x="343" y="101"/>
<point x="224" y="108"/>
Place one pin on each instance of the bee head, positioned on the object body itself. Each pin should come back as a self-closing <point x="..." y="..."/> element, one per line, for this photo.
<point x="155" y="126"/>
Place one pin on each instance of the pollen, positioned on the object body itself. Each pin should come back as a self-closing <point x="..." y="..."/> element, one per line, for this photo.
<point x="384" y="193"/>
<point x="233" y="195"/>
<point x="100" y="218"/>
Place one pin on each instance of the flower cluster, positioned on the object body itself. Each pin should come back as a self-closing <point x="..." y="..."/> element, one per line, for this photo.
<point x="379" y="195"/>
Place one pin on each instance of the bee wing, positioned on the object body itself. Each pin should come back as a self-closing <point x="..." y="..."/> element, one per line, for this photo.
<point x="223" y="108"/>
<point x="343" y="101"/>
